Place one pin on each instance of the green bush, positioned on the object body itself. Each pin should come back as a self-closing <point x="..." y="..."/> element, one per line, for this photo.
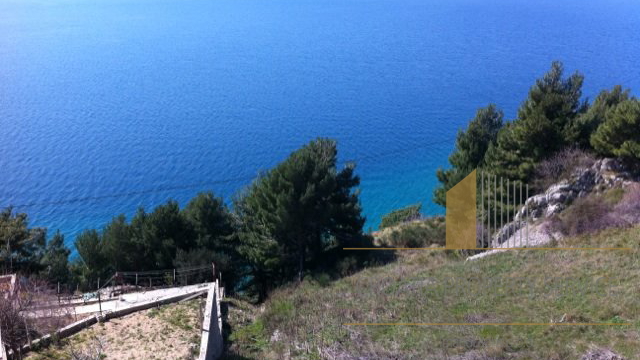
<point x="400" y="216"/>
<point x="425" y="233"/>
<point x="619" y="134"/>
<point x="560" y="167"/>
<point x="252" y="337"/>
<point x="590" y="214"/>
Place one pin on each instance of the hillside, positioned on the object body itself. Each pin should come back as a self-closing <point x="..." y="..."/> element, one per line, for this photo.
<point x="527" y="286"/>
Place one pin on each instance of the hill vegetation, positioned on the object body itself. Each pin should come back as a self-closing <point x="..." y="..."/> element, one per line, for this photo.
<point x="560" y="287"/>
<point x="290" y="224"/>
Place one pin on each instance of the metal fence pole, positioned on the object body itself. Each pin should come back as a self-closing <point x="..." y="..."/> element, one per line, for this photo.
<point x="509" y="229"/>
<point x="501" y="204"/>
<point x="482" y="208"/>
<point x="495" y="203"/>
<point x="515" y="235"/>
<point x="488" y="228"/>
<point x="520" y="221"/>
<point x="526" y="205"/>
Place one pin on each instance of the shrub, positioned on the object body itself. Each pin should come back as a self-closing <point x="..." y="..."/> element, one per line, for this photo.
<point x="400" y="216"/>
<point x="627" y="211"/>
<point x="252" y="337"/>
<point x="417" y="234"/>
<point x="614" y="208"/>
<point x="560" y="166"/>
<point x="619" y="134"/>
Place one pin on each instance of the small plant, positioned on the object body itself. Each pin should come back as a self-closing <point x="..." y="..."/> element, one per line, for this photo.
<point x="252" y="337"/>
<point x="92" y="351"/>
<point x="416" y="234"/>
<point x="614" y="208"/>
<point x="400" y="216"/>
<point x="560" y="166"/>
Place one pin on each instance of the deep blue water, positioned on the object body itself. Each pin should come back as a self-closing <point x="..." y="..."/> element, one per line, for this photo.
<point x="103" y="97"/>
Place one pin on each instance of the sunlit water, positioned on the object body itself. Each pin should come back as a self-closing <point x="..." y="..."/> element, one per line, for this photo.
<point x="160" y="99"/>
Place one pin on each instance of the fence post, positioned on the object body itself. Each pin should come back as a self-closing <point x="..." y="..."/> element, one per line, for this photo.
<point x="520" y="221"/>
<point x="515" y="235"/>
<point x="174" y="277"/>
<point x="489" y="210"/>
<point x="495" y="204"/>
<point x="509" y="229"/>
<point x="501" y="205"/>
<point x="99" y="303"/>
<point x="526" y="205"/>
<point x="482" y="208"/>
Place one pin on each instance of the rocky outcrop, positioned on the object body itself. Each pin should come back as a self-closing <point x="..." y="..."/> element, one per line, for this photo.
<point x="602" y="175"/>
<point x="530" y="227"/>
<point x="601" y="354"/>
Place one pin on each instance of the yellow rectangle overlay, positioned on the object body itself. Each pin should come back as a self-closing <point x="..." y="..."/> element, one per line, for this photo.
<point x="461" y="214"/>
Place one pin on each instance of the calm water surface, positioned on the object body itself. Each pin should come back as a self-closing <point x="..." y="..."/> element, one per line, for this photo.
<point x="161" y="99"/>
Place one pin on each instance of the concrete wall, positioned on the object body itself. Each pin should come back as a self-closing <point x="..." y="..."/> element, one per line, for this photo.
<point x="3" y="351"/>
<point x="78" y="326"/>
<point x="211" y="345"/>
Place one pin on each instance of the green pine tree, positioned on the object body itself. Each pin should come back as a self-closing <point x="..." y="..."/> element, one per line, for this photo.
<point x="21" y="247"/>
<point x="543" y="126"/>
<point x="55" y="261"/>
<point x="619" y="134"/>
<point x="294" y="213"/>
<point x="587" y="123"/>
<point x="470" y="149"/>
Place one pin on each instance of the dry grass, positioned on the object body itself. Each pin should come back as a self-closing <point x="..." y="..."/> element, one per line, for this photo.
<point x="417" y="233"/>
<point x="306" y="322"/>
<point x="169" y="332"/>
<point x="560" y="167"/>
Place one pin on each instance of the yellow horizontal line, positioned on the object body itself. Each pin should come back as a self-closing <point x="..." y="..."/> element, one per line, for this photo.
<point x="531" y="248"/>
<point x="486" y="324"/>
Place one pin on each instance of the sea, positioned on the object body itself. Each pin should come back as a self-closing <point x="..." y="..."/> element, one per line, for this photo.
<point x="111" y="105"/>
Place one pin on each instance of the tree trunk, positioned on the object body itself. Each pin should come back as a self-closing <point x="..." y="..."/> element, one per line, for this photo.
<point x="301" y="258"/>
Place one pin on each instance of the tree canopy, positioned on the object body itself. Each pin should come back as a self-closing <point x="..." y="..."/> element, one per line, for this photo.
<point x="619" y="134"/>
<point x="543" y="126"/>
<point x="21" y="247"/>
<point x="470" y="149"/>
<point x="298" y="210"/>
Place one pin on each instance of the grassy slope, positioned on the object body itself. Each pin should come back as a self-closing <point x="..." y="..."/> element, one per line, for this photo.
<point x="434" y="286"/>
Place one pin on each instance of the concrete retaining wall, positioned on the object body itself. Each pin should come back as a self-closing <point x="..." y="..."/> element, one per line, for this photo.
<point x="3" y="351"/>
<point x="211" y="345"/>
<point x="80" y="325"/>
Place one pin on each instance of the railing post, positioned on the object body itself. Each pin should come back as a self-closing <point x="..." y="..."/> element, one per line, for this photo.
<point x="508" y="202"/>
<point x="520" y="221"/>
<point x="495" y="203"/>
<point x="526" y="204"/>
<point x="482" y="209"/>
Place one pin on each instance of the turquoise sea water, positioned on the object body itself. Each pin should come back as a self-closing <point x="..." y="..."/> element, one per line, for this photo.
<point x="154" y="99"/>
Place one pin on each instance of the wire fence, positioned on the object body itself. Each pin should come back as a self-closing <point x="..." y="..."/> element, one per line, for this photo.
<point x="503" y="211"/>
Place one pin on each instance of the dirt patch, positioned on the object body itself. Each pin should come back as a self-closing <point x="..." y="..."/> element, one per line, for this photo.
<point x="166" y="333"/>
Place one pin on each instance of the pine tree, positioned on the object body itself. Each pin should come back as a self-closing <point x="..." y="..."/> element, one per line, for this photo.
<point x="543" y="126"/>
<point x="470" y="149"/>
<point x="216" y="240"/>
<point x="55" y="261"/>
<point x="587" y="123"/>
<point x="619" y="134"/>
<point x="21" y="247"/>
<point x="293" y="213"/>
